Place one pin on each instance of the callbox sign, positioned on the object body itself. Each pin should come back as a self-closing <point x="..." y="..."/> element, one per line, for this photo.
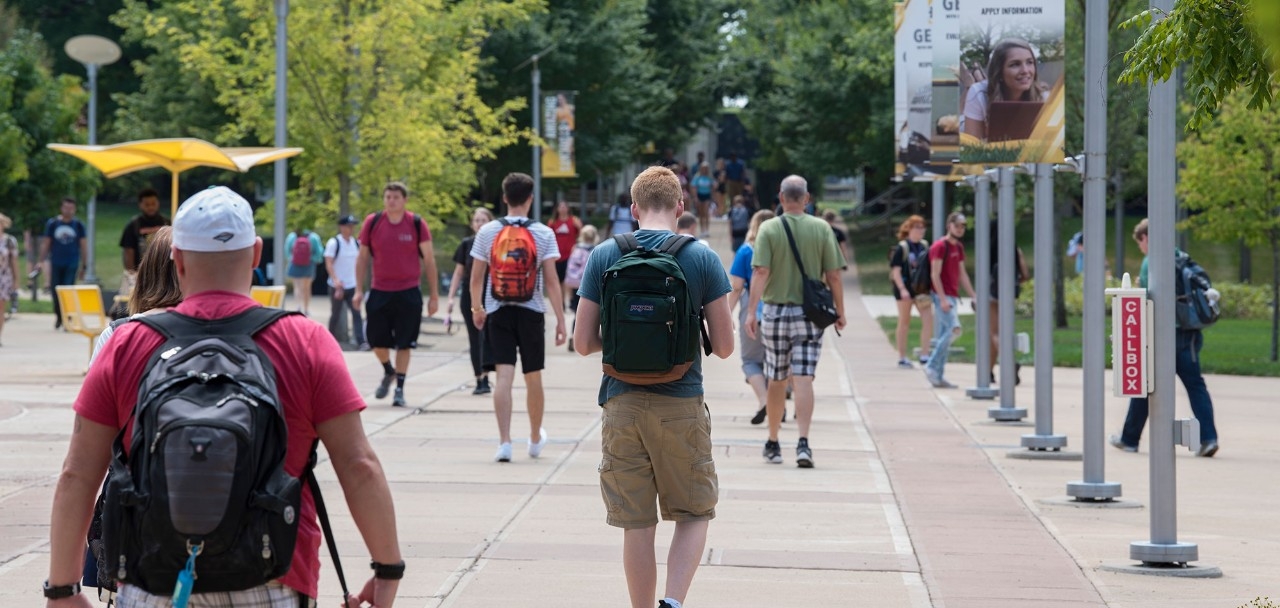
<point x="1130" y="341"/>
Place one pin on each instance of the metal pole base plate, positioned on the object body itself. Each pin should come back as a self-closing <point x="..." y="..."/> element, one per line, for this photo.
<point x="1082" y="490"/>
<point x="985" y="393"/>
<point x="1007" y="414"/>
<point x="1181" y="571"/>
<point x="1044" y="442"/>
<point x="1154" y="554"/>
<point x="1053" y="454"/>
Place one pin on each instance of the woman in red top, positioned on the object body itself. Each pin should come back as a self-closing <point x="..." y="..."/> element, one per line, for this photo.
<point x="566" y="227"/>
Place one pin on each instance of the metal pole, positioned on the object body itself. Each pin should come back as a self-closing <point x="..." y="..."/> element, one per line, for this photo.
<point x="1163" y="547"/>
<point x="939" y="209"/>
<point x="1094" y="487"/>
<point x="1008" y="410"/>
<point x="90" y="274"/>
<point x="282" y="166"/>
<point x="982" y="285"/>
<point x="536" y="75"/>
<point x="1045" y="248"/>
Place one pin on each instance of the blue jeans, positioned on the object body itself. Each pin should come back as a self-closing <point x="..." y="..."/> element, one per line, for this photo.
<point x="61" y="274"/>
<point x="1188" y="367"/>
<point x="946" y="326"/>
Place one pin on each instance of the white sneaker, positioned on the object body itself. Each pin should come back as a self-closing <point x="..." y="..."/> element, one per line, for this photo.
<point x="535" y="449"/>
<point x="504" y="453"/>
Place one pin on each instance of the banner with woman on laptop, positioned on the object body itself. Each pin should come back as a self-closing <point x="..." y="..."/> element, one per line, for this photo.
<point x="1010" y="73"/>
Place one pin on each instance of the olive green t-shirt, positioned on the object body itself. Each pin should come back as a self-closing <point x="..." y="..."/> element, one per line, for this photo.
<point x="818" y="250"/>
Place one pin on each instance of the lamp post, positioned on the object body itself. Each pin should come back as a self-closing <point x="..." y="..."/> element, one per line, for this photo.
<point x="281" y="166"/>
<point x="535" y="104"/>
<point x="92" y="52"/>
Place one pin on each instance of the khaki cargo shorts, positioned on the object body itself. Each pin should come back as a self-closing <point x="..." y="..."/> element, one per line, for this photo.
<point x="657" y="451"/>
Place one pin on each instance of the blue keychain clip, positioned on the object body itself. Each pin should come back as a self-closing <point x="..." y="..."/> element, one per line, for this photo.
<point x="186" y="577"/>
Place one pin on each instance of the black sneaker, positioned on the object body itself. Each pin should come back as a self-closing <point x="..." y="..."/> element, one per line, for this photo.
<point x="772" y="452"/>
<point x="663" y="604"/>
<point x="760" y="415"/>
<point x="398" y="400"/>
<point x="804" y="456"/>
<point x="384" y="387"/>
<point x="482" y="387"/>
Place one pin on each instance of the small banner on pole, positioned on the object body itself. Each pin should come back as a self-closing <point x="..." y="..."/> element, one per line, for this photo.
<point x="916" y="129"/>
<point x="557" y="134"/>
<point x="1010" y="77"/>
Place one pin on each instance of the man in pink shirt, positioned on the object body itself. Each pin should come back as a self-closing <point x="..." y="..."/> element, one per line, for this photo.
<point x="215" y="251"/>
<point x="399" y="244"/>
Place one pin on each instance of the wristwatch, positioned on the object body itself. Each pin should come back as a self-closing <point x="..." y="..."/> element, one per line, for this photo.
<point x="388" y="572"/>
<point x="60" y="591"/>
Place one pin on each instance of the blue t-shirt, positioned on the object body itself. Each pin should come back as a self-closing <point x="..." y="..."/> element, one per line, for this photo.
<point x="741" y="268"/>
<point x="64" y="249"/>
<point x="703" y="183"/>
<point x="706" y="281"/>
<point x="734" y="170"/>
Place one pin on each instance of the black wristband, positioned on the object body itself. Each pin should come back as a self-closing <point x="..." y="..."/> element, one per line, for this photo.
<point x="61" y="591"/>
<point x="388" y="572"/>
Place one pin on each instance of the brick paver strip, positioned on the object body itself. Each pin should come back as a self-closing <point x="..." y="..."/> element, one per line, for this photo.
<point x="977" y="543"/>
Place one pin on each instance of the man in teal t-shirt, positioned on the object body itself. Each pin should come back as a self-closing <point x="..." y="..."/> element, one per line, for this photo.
<point x="656" y="439"/>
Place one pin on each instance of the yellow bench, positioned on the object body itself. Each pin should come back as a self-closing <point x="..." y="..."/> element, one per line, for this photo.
<point x="271" y="296"/>
<point x="82" y="311"/>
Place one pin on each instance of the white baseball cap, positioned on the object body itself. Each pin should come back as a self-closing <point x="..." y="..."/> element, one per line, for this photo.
<point x="216" y="219"/>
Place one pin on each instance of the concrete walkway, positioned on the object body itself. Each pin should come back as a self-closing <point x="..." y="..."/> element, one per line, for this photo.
<point x="913" y="502"/>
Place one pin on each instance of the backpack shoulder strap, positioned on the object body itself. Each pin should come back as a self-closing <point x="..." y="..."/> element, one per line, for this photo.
<point x="173" y="325"/>
<point x="674" y="243"/>
<point x="626" y="243"/>
<point x="373" y="223"/>
<point x="309" y="477"/>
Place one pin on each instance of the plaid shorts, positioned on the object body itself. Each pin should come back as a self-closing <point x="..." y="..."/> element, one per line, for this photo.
<point x="791" y="343"/>
<point x="270" y="595"/>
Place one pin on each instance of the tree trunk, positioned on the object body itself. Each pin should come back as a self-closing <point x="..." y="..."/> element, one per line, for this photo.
<point x="344" y="193"/>
<point x="1246" y="263"/>
<point x="1275" y="296"/>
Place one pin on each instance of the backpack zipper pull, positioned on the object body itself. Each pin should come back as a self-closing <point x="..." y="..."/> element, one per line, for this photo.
<point x="266" y="546"/>
<point x="155" y="442"/>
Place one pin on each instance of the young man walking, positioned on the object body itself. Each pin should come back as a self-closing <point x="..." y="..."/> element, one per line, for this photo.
<point x="399" y="243"/>
<point x="215" y="251"/>
<point x="63" y="245"/>
<point x="1189" y="342"/>
<point x="340" y="255"/>
<point x="947" y="271"/>
<point x="792" y="344"/>
<point x="657" y="437"/>
<point x="137" y="233"/>
<point x="519" y="257"/>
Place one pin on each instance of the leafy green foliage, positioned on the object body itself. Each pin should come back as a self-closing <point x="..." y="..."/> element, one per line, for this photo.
<point x="1215" y="41"/>
<point x="818" y="77"/>
<point x="36" y="109"/>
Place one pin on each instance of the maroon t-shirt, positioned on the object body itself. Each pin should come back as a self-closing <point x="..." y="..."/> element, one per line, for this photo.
<point x="394" y="246"/>
<point x="954" y="257"/>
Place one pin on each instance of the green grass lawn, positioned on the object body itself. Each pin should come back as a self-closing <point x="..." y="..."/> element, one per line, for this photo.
<point x="111" y="220"/>
<point x="1232" y="346"/>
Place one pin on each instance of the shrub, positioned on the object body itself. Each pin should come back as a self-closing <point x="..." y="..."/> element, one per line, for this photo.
<point x="1239" y="300"/>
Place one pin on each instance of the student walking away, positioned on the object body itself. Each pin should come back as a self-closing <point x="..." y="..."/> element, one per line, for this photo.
<point x="1196" y="308"/>
<point x="620" y="219"/>
<point x="219" y="533"/>
<point x="566" y="228"/>
<point x="645" y="317"/>
<point x="842" y="237"/>
<point x="340" y="255"/>
<point x="399" y="244"/>
<point x="750" y="347"/>
<point x="909" y="271"/>
<point x="1022" y="274"/>
<point x="947" y="276"/>
<point x="576" y="267"/>
<point x="481" y="357"/>
<point x="740" y="221"/>
<point x="735" y="174"/>
<point x="687" y="224"/>
<point x="786" y="250"/>
<point x="1075" y="250"/>
<point x="703" y="185"/>
<point x="304" y="254"/>
<point x="517" y="255"/>
<point x="63" y="246"/>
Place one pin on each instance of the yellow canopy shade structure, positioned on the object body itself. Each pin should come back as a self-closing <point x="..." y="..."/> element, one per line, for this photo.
<point x="176" y="155"/>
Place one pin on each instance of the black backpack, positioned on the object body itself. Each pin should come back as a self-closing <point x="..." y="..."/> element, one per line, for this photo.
<point x="205" y="471"/>
<point x="919" y="280"/>
<point x="1193" y="308"/>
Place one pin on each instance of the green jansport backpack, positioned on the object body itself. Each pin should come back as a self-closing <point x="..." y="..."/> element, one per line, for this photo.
<point x="649" y="325"/>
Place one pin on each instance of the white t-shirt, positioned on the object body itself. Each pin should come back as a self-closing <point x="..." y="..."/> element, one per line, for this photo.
<point x="344" y="259"/>
<point x="547" y="250"/>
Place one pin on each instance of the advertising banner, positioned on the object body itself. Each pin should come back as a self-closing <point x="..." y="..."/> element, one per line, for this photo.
<point x="913" y="94"/>
<point x="1009" y="81"/>
<point x="945" y="101"/>
<point x="557" y="134"/>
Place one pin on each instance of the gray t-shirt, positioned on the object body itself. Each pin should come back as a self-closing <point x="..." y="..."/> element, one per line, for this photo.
<point x="706" y="280"/>
<point x="547" y="250"/>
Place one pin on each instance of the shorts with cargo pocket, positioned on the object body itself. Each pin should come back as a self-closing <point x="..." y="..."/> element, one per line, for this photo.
<point x="657" y="452"/>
